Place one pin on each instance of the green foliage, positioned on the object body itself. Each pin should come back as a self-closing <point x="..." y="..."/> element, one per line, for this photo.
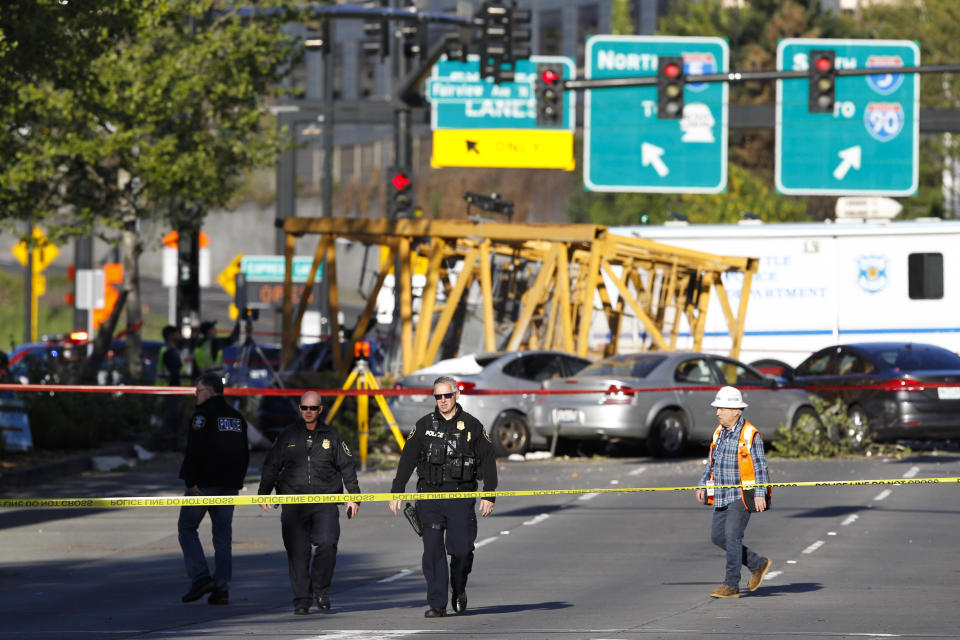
<point x="67" y="421"/>
<point x="827" y="437"/>
<point x="620" y="22"/>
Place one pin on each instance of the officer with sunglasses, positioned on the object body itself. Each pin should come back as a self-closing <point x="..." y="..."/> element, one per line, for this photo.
<point x="451" y="451"/>
<point x="309" y="457"/>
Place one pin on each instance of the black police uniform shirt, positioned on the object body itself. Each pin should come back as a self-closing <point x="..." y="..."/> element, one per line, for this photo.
<point x="217" y="453"/>
<point x="305" y="461"/>
<point x="461" y="435"/>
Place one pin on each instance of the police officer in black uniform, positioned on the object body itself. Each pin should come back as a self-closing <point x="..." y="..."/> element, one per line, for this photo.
<point x="309" y="457"/>
<point x="451" y="452"/>
<point x="214" y="464"/>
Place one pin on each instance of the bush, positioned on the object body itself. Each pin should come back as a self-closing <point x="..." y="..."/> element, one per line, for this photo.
<point x="827" y="437"/>
<point x="84" y="420"/>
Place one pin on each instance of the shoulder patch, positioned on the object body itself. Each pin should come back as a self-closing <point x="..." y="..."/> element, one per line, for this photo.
<point x="346" y="449"/>
<point x="412" y="431"/>
<point x="485" y="434"/>
<point x="198" y="422"/>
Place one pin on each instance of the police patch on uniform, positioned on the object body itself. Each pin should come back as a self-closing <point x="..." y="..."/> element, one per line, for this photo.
<point x="345" y="449"/>
<point x="325" y="444"/>
<point x="412" y="431"/>
<point x="198" y="422"/>
<point x="460" y="425"/>
<point x="485" y="435"/>
<point x="229" y="424"/>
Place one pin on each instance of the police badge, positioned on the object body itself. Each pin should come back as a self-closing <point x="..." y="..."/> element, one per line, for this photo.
<point x="325" y="444"/>
<point x="460" y="425"/>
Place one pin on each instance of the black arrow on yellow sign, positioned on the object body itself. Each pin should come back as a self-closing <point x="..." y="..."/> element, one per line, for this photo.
<point x="472" y="146"/>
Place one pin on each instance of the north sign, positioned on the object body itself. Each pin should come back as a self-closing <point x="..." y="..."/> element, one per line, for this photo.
<point x="627" y="147"/>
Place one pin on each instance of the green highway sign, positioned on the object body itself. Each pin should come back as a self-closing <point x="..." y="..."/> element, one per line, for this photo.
<point x="627" y="147"/>
<point x="273" y="268"/>
<point x="869" y="143"/>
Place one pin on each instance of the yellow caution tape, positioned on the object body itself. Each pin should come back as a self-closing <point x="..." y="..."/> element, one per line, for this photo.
<point x="320" y="498"/>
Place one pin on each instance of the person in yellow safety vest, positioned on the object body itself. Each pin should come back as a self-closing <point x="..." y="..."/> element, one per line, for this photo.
<point x="736" y="458"/>
<point x="208" y="354"/>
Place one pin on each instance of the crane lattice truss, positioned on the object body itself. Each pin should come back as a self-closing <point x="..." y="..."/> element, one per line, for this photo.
<point x="569" y="273"/>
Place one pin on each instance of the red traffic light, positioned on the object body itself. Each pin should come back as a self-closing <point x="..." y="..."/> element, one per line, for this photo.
<point x="400" y="181"/>
<point x="549" y="76"/>
<point x="671" y="70"/>
<point x="823" y="64"/>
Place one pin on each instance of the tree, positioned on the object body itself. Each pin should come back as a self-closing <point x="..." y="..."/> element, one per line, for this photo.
<point x="160" y="118"/>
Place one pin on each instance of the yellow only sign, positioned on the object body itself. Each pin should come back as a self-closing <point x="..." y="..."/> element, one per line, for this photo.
<point x="510" y="148"/>
<point x="43" y="251"/>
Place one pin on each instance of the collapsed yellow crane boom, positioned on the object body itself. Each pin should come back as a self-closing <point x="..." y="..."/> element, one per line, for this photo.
<point x="657" y="284"/>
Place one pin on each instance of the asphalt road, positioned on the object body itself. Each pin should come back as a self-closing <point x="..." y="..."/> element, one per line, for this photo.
<point x="849" y="562"/>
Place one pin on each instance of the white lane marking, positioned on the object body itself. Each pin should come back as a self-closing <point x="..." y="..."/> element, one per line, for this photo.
<point x="883" y="494"/>
<point x="588" y="496"/>
<point x="396" y="576"/>
<point x="504" y="533"/>
<point x="614" y="482"/>
<point x="364" y="634"/>
<point x="771" y="574"/>
<point x="911" y="472"/>
<point x="850" y="519"/>
<point x="831" y="533"/>
<point x="791" y="562"/>
<point x="816" y="545"/>
<point x="637" y="472"/>
<point x="540" y="518"/>
<point x="485" y="541"/>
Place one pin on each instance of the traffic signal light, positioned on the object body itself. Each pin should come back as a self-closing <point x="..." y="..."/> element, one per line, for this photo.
<point x="520" y="34"/>
<point x="670" y="82"/>
<point x="377" y="30"/>
<point x="495" y="40"/>
<point x="549" y="91"/>
<point x="399" y="193"/>
<point x="823" y="81"/>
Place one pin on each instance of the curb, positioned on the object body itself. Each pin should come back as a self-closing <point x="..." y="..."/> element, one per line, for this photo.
<point x="37" y="474"/>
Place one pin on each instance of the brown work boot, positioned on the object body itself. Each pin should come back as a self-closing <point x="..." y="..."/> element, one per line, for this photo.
<point x="725" y="591"/>
<point x="757" y="576"/>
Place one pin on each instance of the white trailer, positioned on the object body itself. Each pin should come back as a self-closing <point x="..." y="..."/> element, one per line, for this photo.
<point x="829" y="283"/>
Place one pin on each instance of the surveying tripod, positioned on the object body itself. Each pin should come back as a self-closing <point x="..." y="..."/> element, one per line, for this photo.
<point x="363" y="378"/>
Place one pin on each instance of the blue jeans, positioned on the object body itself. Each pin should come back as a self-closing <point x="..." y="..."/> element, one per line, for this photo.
<point x="726" y="532"/>
<point x="221" y="519"/>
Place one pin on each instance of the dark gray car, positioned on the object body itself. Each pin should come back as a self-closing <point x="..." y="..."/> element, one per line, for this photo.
<point x="505" y="417"/>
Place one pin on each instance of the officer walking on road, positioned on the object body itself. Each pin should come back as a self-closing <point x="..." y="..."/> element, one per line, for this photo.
<point x="214" y="464"/>
<point x="309" y="457"/>
<point x="451" y="452"/>
<point x="736" y="458"/>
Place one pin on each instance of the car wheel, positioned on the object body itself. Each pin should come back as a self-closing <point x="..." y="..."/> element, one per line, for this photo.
<point x="858" y="431"/>
<point x="510" y="434"/>
<point x="668" y="435"/>
<point x="806" y="420"/>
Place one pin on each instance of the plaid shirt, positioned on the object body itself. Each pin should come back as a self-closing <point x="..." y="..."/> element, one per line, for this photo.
<point x="727" y="471"/>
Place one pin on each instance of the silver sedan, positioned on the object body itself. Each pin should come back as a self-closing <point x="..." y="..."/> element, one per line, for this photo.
<point x="505" y="417"/>
<point x="665" y="419"/>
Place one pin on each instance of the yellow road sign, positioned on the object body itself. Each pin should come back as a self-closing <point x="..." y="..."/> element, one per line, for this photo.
<point x="43" y="252"/>
<point x="228" y="277"/>
<point x="511" y="148"/>
<point x="39" y="283"/>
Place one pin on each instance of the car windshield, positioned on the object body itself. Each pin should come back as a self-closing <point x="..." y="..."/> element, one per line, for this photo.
<point x="928" y="359"/>
<point x="622" y="368"/>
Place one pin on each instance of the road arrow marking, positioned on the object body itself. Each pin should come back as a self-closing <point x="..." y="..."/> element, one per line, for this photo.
<point x="849" y="159"/>
<point x="650" y="154"/>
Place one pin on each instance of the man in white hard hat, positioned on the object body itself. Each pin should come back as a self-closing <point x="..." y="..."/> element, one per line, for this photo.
<point x="732" y="505"/>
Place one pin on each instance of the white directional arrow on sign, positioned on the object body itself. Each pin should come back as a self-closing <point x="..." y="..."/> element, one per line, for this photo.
<point x="849" y="159"/>
<point x="650" y="154"/>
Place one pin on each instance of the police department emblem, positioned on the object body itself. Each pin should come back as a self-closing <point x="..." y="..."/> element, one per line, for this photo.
<point x="325" y="444"/>
<point x="460" y="425"/>
<point x="872" y="276"/>
<point x="345" y="449"/>
<point x="412" y="431"/>
<point x="198" y="422"/>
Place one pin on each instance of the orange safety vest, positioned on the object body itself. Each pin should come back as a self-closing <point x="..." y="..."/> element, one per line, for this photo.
<point x="744" y="461"/>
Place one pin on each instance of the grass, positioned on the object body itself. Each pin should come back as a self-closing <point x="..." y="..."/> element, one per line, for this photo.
<point x="54" y="315"/>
